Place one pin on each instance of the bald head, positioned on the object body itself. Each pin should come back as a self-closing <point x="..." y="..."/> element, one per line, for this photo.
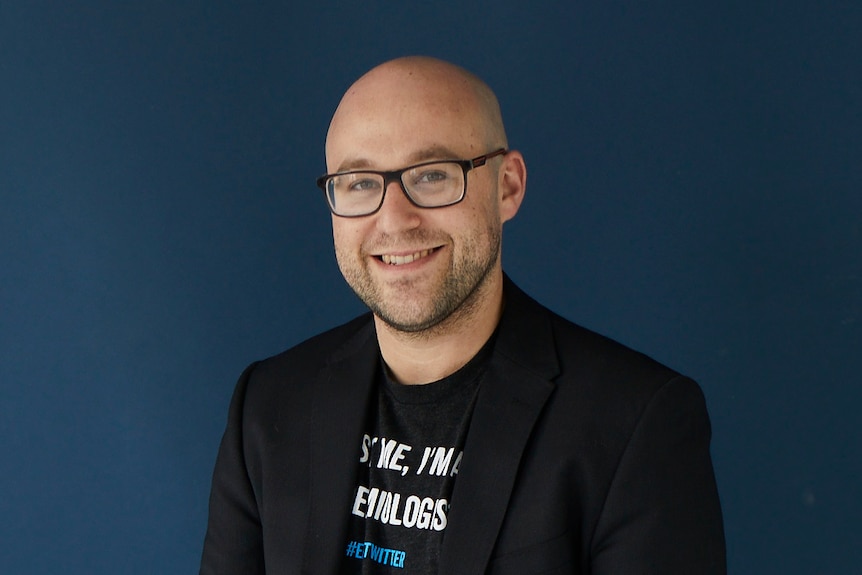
<point x="424" y="272"/>
<point x="433" y="103"/>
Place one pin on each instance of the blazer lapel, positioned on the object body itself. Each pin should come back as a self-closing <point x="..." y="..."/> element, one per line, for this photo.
<point x="514" y="390"/>
<point x="341" y="397"/>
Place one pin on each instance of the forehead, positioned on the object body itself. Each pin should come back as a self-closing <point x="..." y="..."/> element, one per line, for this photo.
<point x="388" y="119"/>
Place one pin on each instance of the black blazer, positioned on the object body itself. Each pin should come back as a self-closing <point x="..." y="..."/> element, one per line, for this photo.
<point x="583" y="456"/>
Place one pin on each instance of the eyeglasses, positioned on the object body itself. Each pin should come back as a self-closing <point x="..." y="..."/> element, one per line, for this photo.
<point x="427" y="185"/>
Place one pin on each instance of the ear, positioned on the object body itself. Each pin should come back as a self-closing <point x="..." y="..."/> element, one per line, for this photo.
<point x="511" y="184"/>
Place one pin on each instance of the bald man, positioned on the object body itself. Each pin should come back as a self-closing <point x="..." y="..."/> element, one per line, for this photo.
<point x="459" y="427"/>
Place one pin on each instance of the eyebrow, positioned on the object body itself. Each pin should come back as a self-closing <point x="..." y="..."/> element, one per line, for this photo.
<point x="424" y="155"/>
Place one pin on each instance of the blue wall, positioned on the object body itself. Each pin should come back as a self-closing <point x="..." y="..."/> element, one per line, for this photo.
<point x="694" y="191"/>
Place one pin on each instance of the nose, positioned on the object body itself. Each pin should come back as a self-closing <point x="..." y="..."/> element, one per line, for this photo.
<point x="397" y="212"/>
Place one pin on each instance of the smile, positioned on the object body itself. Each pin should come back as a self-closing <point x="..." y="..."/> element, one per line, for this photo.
<point x="394" y="260"/>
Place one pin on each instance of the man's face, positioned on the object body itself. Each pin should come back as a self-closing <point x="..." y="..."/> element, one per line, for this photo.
<point x="415" y="267"/>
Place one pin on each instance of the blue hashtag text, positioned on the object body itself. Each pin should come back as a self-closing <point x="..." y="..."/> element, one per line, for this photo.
<point x="382" y="555"/>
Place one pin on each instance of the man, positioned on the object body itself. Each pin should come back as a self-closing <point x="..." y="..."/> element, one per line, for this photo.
<point x="460" y="428"/>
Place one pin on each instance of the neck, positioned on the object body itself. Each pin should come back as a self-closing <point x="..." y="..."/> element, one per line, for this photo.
<point x="417" y="358"/>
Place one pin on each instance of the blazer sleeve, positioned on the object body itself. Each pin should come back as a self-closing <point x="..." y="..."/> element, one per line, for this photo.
<point x="234" y="541"/>
<point x="662" y="513"/>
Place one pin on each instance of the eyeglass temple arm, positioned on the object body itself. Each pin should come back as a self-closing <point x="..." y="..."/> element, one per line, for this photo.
<point x="481" y="160"/>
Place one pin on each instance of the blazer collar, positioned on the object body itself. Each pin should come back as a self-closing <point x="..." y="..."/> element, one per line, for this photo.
<point x="514" y="391"/>
<point x="525" y="335"/>
<point x="342" y="394"/>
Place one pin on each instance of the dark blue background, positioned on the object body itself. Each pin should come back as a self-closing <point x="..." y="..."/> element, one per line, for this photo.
<point x="694" y="191"/>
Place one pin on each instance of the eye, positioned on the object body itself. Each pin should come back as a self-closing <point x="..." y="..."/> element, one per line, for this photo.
<point x="431" y="177"/>
<point x="363" y="184"/>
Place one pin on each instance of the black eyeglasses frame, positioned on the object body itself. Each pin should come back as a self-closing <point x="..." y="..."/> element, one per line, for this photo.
<point x="395" y="176"/>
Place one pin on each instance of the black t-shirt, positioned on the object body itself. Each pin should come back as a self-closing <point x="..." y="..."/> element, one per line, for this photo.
<point x="408" y="464"/>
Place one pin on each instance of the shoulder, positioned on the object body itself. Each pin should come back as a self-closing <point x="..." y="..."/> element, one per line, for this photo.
<point x="545" y="338"/>
<point x="604" y="391"/>
<point x="612" y="382"/>
<point x="317" y="351"/>
<point x="594" y="356"/>
<point x="291" y="373"/>
<point x="591" y="371"/>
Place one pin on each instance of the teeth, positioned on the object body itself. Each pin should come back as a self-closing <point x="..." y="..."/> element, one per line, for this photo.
<point x="401" y="260"/>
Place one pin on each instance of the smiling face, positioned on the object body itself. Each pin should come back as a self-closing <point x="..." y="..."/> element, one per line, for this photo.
<point x="420" y="269"/>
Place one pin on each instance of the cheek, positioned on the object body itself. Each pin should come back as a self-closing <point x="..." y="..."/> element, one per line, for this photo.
<point x="487" y="205"/>
<point x="346" y="236"/>
<point x="339" y="229"/>
<point x="343" y="251"/>
<point x="486" y="216"/>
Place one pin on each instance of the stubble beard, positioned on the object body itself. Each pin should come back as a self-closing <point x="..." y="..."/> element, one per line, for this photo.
<point x="454" y="301"/>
